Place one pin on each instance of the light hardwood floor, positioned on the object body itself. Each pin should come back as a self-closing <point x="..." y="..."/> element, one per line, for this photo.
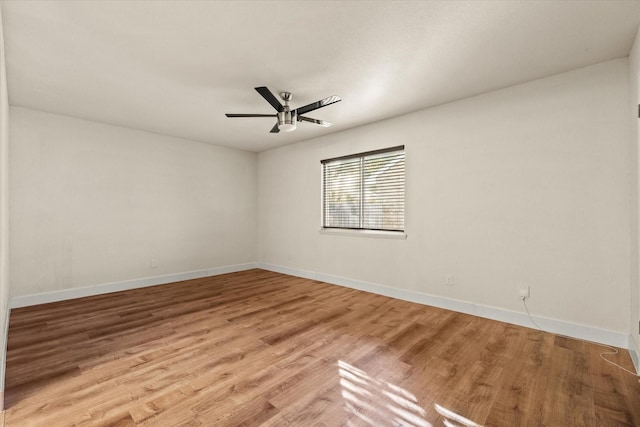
<point x="261" y="348"/>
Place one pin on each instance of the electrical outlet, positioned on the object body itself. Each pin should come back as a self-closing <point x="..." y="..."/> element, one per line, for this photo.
<point x="449" y="281"/>
<point x="524" y="291"/>
<point x="154" y="263"/>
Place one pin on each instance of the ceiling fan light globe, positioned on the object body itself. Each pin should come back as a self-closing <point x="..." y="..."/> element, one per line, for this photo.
<point x="287" y="127"/>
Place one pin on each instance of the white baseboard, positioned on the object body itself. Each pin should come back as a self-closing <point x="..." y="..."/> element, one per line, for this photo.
<point x="575" y="330"/>
<point x="105" y="288"/>
<point x="634" y="351"/>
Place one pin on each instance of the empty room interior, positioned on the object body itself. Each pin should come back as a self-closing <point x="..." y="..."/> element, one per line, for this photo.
<point x="319" y="213"/>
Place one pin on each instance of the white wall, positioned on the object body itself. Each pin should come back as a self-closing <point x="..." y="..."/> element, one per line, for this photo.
<point x="634" y="97"/>
<point x="524" y="185"/>
<point x="93" y="204"/>
<point x="4" y="213"/>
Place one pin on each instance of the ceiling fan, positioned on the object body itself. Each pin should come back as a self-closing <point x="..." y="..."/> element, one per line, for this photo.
<point x="287" y="117"/>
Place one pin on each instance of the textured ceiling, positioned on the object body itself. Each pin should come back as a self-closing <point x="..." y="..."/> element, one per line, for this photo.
<point x="175" y="67"/>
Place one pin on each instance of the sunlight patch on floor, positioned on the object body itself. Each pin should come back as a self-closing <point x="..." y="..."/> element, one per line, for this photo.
<point x="363" y="396"/>
<point x="451" y="419"/>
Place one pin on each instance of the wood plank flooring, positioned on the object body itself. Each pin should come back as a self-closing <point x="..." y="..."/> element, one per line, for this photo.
<point x="261" y="348"/>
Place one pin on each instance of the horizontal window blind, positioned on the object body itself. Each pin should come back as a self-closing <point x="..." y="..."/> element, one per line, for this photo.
<point x="365" y="191"/>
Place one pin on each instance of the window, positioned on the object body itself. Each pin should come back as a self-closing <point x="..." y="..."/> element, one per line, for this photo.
<point x="364" y="191"/>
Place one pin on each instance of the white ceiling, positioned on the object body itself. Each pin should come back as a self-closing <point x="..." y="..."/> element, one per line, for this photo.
<point x="175" y="67"/>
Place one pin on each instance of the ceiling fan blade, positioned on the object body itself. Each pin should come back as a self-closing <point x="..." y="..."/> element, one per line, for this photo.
<point x="250" y="115"/>
<point x="271" y="99"/>
<point x="318" y="104"/>
<point x="316" y="121"/>
<point x="275" y="129"/>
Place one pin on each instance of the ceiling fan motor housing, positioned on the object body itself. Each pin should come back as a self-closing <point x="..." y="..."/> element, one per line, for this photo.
<point x="287" y="119"/>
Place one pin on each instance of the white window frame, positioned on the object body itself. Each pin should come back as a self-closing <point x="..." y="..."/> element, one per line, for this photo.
<point x="360" y="231"/>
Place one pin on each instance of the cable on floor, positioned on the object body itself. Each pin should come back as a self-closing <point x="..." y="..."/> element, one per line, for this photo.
<point x="613" y="351"/>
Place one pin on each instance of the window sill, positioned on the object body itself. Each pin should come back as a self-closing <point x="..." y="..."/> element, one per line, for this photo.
<point x="365" y="233"/>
